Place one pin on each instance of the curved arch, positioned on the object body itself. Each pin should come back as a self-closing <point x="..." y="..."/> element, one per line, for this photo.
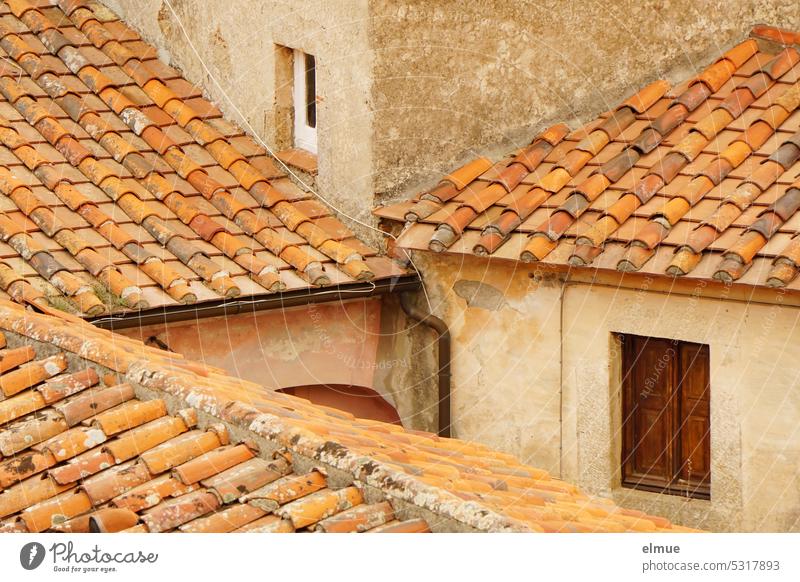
<point x="357" y="400"/>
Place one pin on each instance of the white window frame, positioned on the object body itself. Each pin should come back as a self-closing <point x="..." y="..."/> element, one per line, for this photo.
<point x="305" y="136"/>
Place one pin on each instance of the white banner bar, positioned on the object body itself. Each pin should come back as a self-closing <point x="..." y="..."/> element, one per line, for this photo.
<point x="228" y="557"/>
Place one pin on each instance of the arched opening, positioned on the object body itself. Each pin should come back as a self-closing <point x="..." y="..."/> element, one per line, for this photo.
<point x="358" y="401"/>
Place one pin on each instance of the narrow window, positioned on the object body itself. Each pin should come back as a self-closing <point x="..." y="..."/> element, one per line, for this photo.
<point x="311" y="92"/>
<point x="305" y="101"/>
<point x="666" y="417"/>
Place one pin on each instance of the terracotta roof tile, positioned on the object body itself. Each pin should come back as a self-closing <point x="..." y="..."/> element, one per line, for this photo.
<point x="671" y="154"/>
<point x="104" y="452"/>
<point x="89" y="95"/>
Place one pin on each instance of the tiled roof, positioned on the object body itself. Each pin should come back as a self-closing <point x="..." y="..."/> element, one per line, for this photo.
<point x="698" y="181"/>
<point x="97" y="425"/>
<point x="123" y="188"/>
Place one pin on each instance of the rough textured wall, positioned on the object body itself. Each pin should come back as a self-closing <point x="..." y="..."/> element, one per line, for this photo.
<point x="228" y="48"/>
<point x="451" y="77"/>
<point x="505" y="325"/>
<point x="337" y="343"/>
<point x="410" y="87"/>
<point x="755" y="439"/>
<point x="540" y="377"/>
<point x="407" y="366"/>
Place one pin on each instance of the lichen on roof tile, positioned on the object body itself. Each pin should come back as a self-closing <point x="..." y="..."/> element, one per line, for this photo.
<point x="76" y="91"/>
<point x="107" y="434"/>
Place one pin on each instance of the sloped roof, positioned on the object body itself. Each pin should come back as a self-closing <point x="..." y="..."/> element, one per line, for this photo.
<point x="696" y="181"/>
<point x="94" y="424"/>
<point x="123" y="188"/>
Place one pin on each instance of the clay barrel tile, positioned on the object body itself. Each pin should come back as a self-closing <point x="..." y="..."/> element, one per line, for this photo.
<point x="22" y="466"/>
<point x="134" y="442"/>
<point x="94" y="402"/>
<point x="20" y="405"/>
<point x="287" y="489"/>
<point x="267" y="524"/>
<point x="358" y="519"/>
<point x="111" y="520"/>
<point x="30" y="431"/>
<point x="246" y="477"/>
<point x="31" y="374"/>
<point x="317" y="506"/>
<point x="55" y="511"/>
<point x="181" y="510"/>
<point x="115" y="481"/>
<point x="129" y="415"/>
<point x="151" y="493"/>
<point x="464" y="175"/>
<point x="213" y="462"/>
<point x="84" y="465"/>
<point x="13" y="357"/>
<point x="647" y="97"/>
<point x="74" y="441"/>
<point x="418" y="525"/>
<point x="179" y="450"/>
<point x="27" y="493"/>
<point x="227" y="520"/>
<point x="60" y="387"/>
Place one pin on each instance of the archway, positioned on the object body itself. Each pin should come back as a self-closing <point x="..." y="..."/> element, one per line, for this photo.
<point x="358" y="401"/>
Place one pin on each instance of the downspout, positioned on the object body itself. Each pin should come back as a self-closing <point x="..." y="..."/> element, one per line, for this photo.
<point x="440" y="327"/>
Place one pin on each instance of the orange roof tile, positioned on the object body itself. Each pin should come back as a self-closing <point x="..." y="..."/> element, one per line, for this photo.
<point x="119" y="436"/>
<point x="132" y="191"/>
<point x="705" y="172"/>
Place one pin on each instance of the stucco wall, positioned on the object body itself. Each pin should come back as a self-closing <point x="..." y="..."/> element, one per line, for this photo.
<point x="452" y="77"/>
<point x="351" y="343"/>
<point x="755" y="402"/>
<point x="540" y="377"/>
<point x="505" y="323"/>
<point x="411" y="87"/>
<point x="228" y="48"/>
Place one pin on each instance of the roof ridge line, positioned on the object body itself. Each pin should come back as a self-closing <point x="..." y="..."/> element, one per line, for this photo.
<point x="299" y="439"/>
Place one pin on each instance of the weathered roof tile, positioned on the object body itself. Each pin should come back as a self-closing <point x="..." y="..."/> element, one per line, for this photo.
<point x="150" y="143"/>
<point x="713" y="130"/>
<point x="94" y="457"/>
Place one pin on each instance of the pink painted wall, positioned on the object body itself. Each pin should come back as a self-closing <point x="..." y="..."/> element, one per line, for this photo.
<point x="328" y="343"/>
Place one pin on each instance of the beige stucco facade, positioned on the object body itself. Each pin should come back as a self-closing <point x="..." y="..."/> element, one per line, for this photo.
<point x="537" y="372"/>
<point x="755" y="401"/>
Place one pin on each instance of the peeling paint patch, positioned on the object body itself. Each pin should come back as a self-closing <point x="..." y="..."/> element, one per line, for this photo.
<point x="481" y="295"/>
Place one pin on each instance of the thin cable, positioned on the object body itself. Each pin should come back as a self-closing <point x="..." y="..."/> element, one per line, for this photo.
<point x="255" y="135"/>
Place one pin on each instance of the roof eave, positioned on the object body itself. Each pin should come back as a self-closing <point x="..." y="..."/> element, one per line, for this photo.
<point x="255" y="303"/>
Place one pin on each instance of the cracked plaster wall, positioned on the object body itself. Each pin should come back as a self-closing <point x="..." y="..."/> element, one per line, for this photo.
<point x="537" y="374"/>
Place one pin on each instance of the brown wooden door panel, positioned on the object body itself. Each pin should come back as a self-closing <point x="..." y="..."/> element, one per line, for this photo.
<point x="652" y="434"/>
<point x="651" y="371"/>
<point x="696" y="465"/>
<point x="694" y="393"/>
<point x="666" y="415"/>
<point x="648" y="365"/>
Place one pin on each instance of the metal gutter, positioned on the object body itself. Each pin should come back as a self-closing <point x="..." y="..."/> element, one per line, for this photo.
<point x="252" y="304"/>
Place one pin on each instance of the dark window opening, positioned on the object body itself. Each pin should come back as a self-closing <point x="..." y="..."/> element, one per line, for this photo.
<point x="666" y="416"/>
<point x="311" y="91"/>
